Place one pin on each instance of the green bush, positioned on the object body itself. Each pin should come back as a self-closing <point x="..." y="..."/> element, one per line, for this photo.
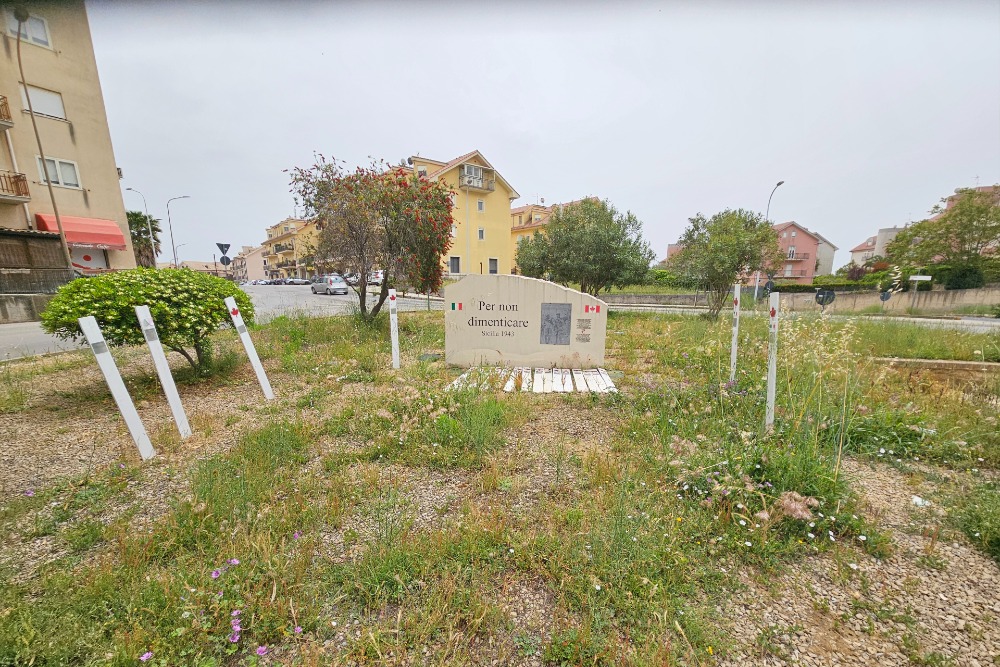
<point x="187" y="307"/>
<point x="964" y="277"/>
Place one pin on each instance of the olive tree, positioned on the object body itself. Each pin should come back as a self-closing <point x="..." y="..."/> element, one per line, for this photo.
<point x="591" y="243"/>
<point x="717" y="251"/>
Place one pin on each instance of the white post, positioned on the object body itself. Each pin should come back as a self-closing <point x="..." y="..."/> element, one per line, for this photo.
<point x="772" y="357"/>
<point x="756" y="284"/>
<point x="163" y="369"/>
<point x="241" y="329"/>
<point x="114" y="379"/>
<point x="736" y="332"/>
<point x="394" y="328"/>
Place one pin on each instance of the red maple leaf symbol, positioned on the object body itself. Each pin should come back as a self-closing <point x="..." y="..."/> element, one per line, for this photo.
<point x="773" y="312"/>
<point x="736" y="302"/>
<point x="392" y="298"/>
<point x="235" y="312"/>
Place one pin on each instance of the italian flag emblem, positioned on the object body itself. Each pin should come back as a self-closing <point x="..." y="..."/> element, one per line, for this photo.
<point x="456" y="306"/>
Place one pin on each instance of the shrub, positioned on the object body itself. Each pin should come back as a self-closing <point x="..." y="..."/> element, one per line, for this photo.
<point x="964" y="277"/>
<point x="187" y="307"/>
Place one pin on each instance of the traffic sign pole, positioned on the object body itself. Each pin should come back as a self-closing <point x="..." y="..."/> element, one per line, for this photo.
<point x="241" y="329"/>
<point x="736" y="332"/>
<point x="394" y="328"/>
<point x="163" y="369"/>
<point x="114" y="379"/>
<point x="772" y="357"/>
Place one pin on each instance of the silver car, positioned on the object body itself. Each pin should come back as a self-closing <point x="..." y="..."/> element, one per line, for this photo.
<point x="329" y="284"/>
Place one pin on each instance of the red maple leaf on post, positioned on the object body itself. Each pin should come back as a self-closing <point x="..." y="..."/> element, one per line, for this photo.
<point x="773" y="312"/>
<point x="235" y="312"/>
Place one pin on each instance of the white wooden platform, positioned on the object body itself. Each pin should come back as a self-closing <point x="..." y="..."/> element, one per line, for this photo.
<point x="537" y="380"/>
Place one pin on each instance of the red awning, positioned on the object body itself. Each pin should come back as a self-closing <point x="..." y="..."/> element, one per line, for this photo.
<point x="85" y="232"/>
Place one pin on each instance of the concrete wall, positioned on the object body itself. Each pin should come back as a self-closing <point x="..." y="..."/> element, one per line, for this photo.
<point x="943" y="301"/>
<point x="22" y="307"/>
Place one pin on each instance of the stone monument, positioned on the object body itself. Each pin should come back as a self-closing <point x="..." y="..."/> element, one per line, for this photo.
<point x="518" y="321"/>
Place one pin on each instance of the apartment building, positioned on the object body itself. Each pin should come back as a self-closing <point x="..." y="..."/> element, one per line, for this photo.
<point x="874" y="246"/>
<point x="806" y="253"/>
<point x="65" y="92"/>
<point x="481" y="233"/>
<point x="249" y="264"/>
<point x="530" y="218"/>
<point x="290" y="247"/>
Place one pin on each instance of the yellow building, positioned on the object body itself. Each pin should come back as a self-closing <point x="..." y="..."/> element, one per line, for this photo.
<point x="289" y="248"/>
<point x="62" y="82"/>
<point x="481" y="213"/>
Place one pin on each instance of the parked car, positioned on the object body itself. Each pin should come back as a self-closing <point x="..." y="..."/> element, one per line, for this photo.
<point x="352" y="278"/>
<point x="297" y="281"/>
<point x="376" y="277"/>
<point x="329" y="284"/>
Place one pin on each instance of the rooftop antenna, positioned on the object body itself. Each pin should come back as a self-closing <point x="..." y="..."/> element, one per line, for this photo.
<point x="977" y="181"/>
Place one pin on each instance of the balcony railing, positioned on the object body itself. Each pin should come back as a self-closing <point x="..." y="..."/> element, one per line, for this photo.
<point x="477" y="183"/>
<point x="5" y="117"/>
<point x="801" y="273"/>
<point x="283" y="247"/>
<point x="284" y="265"/>
<point x="14" y="187"/>
<point x="798" y="255"/>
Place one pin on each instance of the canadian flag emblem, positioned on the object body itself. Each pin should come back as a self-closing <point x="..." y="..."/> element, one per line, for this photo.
<point x="588" y="309"/>
<point x="773" y="312"/>
<point x="736" y="302"/>
<point x="235" y="311"/>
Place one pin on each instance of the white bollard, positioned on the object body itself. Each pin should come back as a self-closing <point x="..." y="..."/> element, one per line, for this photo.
<point x="114" y="379"/>
<point x="736" y="332"/>
<point x="772" y="357"/>
<point x="163" y="369"/>
<point x="241" y="329"/>
<point x="394" y="328"/>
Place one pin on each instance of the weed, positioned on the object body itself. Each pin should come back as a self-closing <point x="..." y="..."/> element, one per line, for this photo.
<point x="978" y="516"/>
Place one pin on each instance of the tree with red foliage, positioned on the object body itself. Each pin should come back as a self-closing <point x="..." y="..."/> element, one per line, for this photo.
<point x="378" y="217"/>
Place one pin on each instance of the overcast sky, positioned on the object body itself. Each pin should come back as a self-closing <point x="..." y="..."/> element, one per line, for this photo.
<point x="869" y="113"/>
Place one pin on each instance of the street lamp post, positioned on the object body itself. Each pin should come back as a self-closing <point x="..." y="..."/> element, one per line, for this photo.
<point x="149" y="225"/>
<point x="171" y="225"/>
<point x="767" y="218"/>
<point x="179" y="245"/>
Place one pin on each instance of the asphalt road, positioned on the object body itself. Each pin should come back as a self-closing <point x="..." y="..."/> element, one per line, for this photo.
<point x="25" y="339"/>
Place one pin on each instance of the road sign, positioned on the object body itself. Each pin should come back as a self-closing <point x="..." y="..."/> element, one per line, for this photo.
<point x="225" y="261"/>
<point x="885" y="296"/>
<point x="223" y="247"/>
<point x="825" y="297"/>
<point x="921" y="277"/>
<point x="769" y="286"/>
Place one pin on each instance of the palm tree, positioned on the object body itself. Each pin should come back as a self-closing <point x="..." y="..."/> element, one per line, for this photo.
<point x="139" y="227"/>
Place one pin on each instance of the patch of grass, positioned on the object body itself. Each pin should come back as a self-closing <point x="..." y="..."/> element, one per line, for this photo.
<point x="978" y="516"/>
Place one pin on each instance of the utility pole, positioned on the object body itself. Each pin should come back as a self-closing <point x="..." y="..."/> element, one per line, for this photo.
<point x="21" y="15"/>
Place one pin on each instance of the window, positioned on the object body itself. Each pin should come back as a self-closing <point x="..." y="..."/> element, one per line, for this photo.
<point x="44" y="102"/>
<point x="35" y="30"/>
<point x="454" y="231"/>
<point x="519" y="221"/>
<point x="793" y="233"/>
<point x="791" y="252"/>
<point x="422" y="172"/>
<point x="472" y="171"/>
<point x="537" y="217"/>
<point x="784" y="235"/>
<point x="61" y="172"/>
<point x="455" y="264"/>
<point x="494" y="265"/>
<point x="482" y="234"/>
<point x="788" y="269"/>
<point x="480" y="206"/>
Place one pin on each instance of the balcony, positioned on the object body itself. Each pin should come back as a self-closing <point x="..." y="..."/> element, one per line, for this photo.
<point x="284" y="265"/>
<point x="477" y="183"/>
<point x="797" y="255"/>
<point x="798" y="273"/>
<point x="283" y="247"/>
<point x="5" y="118"/>
<point x="14" y="188"/>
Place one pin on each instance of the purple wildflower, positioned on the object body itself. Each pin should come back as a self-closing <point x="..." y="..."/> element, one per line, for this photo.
<point x="261" y="650"/>
<point x="235" y="637"/>
<point x="146" y="656"/>
<point x="296" y="535"/>
<point x="298" y="629"/>
<point x="29" y="492"/>
<point x="236" y="612"/>
<point x="216" y="574"/>
<point x="233" y="561"/>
